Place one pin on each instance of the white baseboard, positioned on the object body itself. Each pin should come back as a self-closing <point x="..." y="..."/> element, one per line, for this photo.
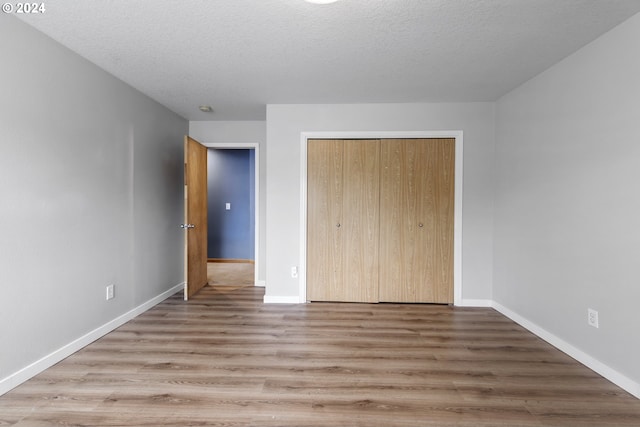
<point x="38" y="366"/>
<point x="260" y="283"/>
<point x="281" y="299"/>
<point x="475" y="303"/>
<point x="611" y="374"/>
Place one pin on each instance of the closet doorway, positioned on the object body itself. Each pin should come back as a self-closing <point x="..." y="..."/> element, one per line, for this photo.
<point x="382" y="218"/>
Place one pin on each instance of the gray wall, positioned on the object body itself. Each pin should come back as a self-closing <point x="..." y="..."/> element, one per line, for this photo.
<point x="91" y="194"/>
<point x="567" y="228"/>
<point x="286" y="122"/>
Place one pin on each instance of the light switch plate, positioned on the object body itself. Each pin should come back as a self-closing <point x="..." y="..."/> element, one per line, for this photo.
<point x="111" y="292"/>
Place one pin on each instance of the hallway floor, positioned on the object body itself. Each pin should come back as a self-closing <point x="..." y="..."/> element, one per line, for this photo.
<point x="230" y="273"/>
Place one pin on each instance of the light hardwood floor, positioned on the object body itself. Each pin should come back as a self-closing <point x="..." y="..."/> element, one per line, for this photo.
<point x="230" y="273"/>
<point x="226" y="359"/>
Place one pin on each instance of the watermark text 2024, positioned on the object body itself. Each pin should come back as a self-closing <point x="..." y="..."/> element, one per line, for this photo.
<point x="24" y="8"/>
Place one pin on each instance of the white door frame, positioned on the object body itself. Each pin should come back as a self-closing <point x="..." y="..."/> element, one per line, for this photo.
<point x="256" y="214"/>
<point x="457" y="227"/>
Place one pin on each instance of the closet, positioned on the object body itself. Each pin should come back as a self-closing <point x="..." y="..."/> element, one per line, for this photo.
<point x="380" y="217"/>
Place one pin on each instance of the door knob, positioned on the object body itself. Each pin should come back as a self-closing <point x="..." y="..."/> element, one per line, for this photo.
<point x="187" y="226"/>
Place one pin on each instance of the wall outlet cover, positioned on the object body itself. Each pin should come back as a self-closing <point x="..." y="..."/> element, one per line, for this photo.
<point x="592" y="318"/>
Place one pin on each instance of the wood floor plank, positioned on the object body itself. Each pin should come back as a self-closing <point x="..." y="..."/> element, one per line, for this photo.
<point x="226" y="359"/>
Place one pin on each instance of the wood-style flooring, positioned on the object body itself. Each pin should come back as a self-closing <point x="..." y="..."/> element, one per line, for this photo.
<point x="230" y="273"/>
<point x="226" y="359"/>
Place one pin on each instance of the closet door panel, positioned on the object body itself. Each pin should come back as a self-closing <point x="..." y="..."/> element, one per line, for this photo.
<point x="324" y="212"/>
<point x="361" y="218"/>
<point x="439" y="211"/>
<point x="342" y="220"/>
<point x="416" y="232"/>
<point x="397" y="224"/>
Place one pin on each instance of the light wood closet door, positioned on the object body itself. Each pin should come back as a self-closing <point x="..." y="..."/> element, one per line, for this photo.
<point x="343" y="196"/>
<point x="416" y="222"/>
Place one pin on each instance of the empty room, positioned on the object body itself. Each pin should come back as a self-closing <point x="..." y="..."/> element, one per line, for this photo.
<point x="441" y="224"/>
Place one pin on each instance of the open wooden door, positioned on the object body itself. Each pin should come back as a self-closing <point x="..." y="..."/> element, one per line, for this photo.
<point x="195" y="216"/>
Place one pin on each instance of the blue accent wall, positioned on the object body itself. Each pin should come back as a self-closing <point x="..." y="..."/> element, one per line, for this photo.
<point x="231" y="179"/>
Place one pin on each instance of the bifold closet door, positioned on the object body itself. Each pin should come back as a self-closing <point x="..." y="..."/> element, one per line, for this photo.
<point x="343" y="196"/>
<point x="416" y="220"/>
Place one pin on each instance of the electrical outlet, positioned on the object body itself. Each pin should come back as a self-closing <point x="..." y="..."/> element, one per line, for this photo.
<point x="294" y="272"/>
<point x="592" y="318"/>
<point x="111" y="289"/>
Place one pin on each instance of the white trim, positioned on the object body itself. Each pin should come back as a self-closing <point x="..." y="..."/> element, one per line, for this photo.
<point x="260" y="283"/>
<point x="280" y="299"/>
<point x="51" y="359"/>
<point x="476" y="303"/>
<point x="256" y="215"/>
<point x="457" y="233"/>
<point x="302" y="271"/>
<point x="611" y="374"/>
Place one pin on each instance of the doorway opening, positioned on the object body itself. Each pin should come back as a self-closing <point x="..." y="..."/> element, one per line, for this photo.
<point x="233" y="206"/>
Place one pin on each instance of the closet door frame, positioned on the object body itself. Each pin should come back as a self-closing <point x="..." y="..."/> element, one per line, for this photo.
<point x="457" y="228"/>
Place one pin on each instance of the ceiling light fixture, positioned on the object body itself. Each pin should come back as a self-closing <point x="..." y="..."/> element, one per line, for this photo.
<point x="321" y="1"/>
<point x="206" y="108"/>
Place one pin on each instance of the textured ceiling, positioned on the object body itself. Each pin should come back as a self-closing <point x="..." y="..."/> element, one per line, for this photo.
<point x="239" y="55"/>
